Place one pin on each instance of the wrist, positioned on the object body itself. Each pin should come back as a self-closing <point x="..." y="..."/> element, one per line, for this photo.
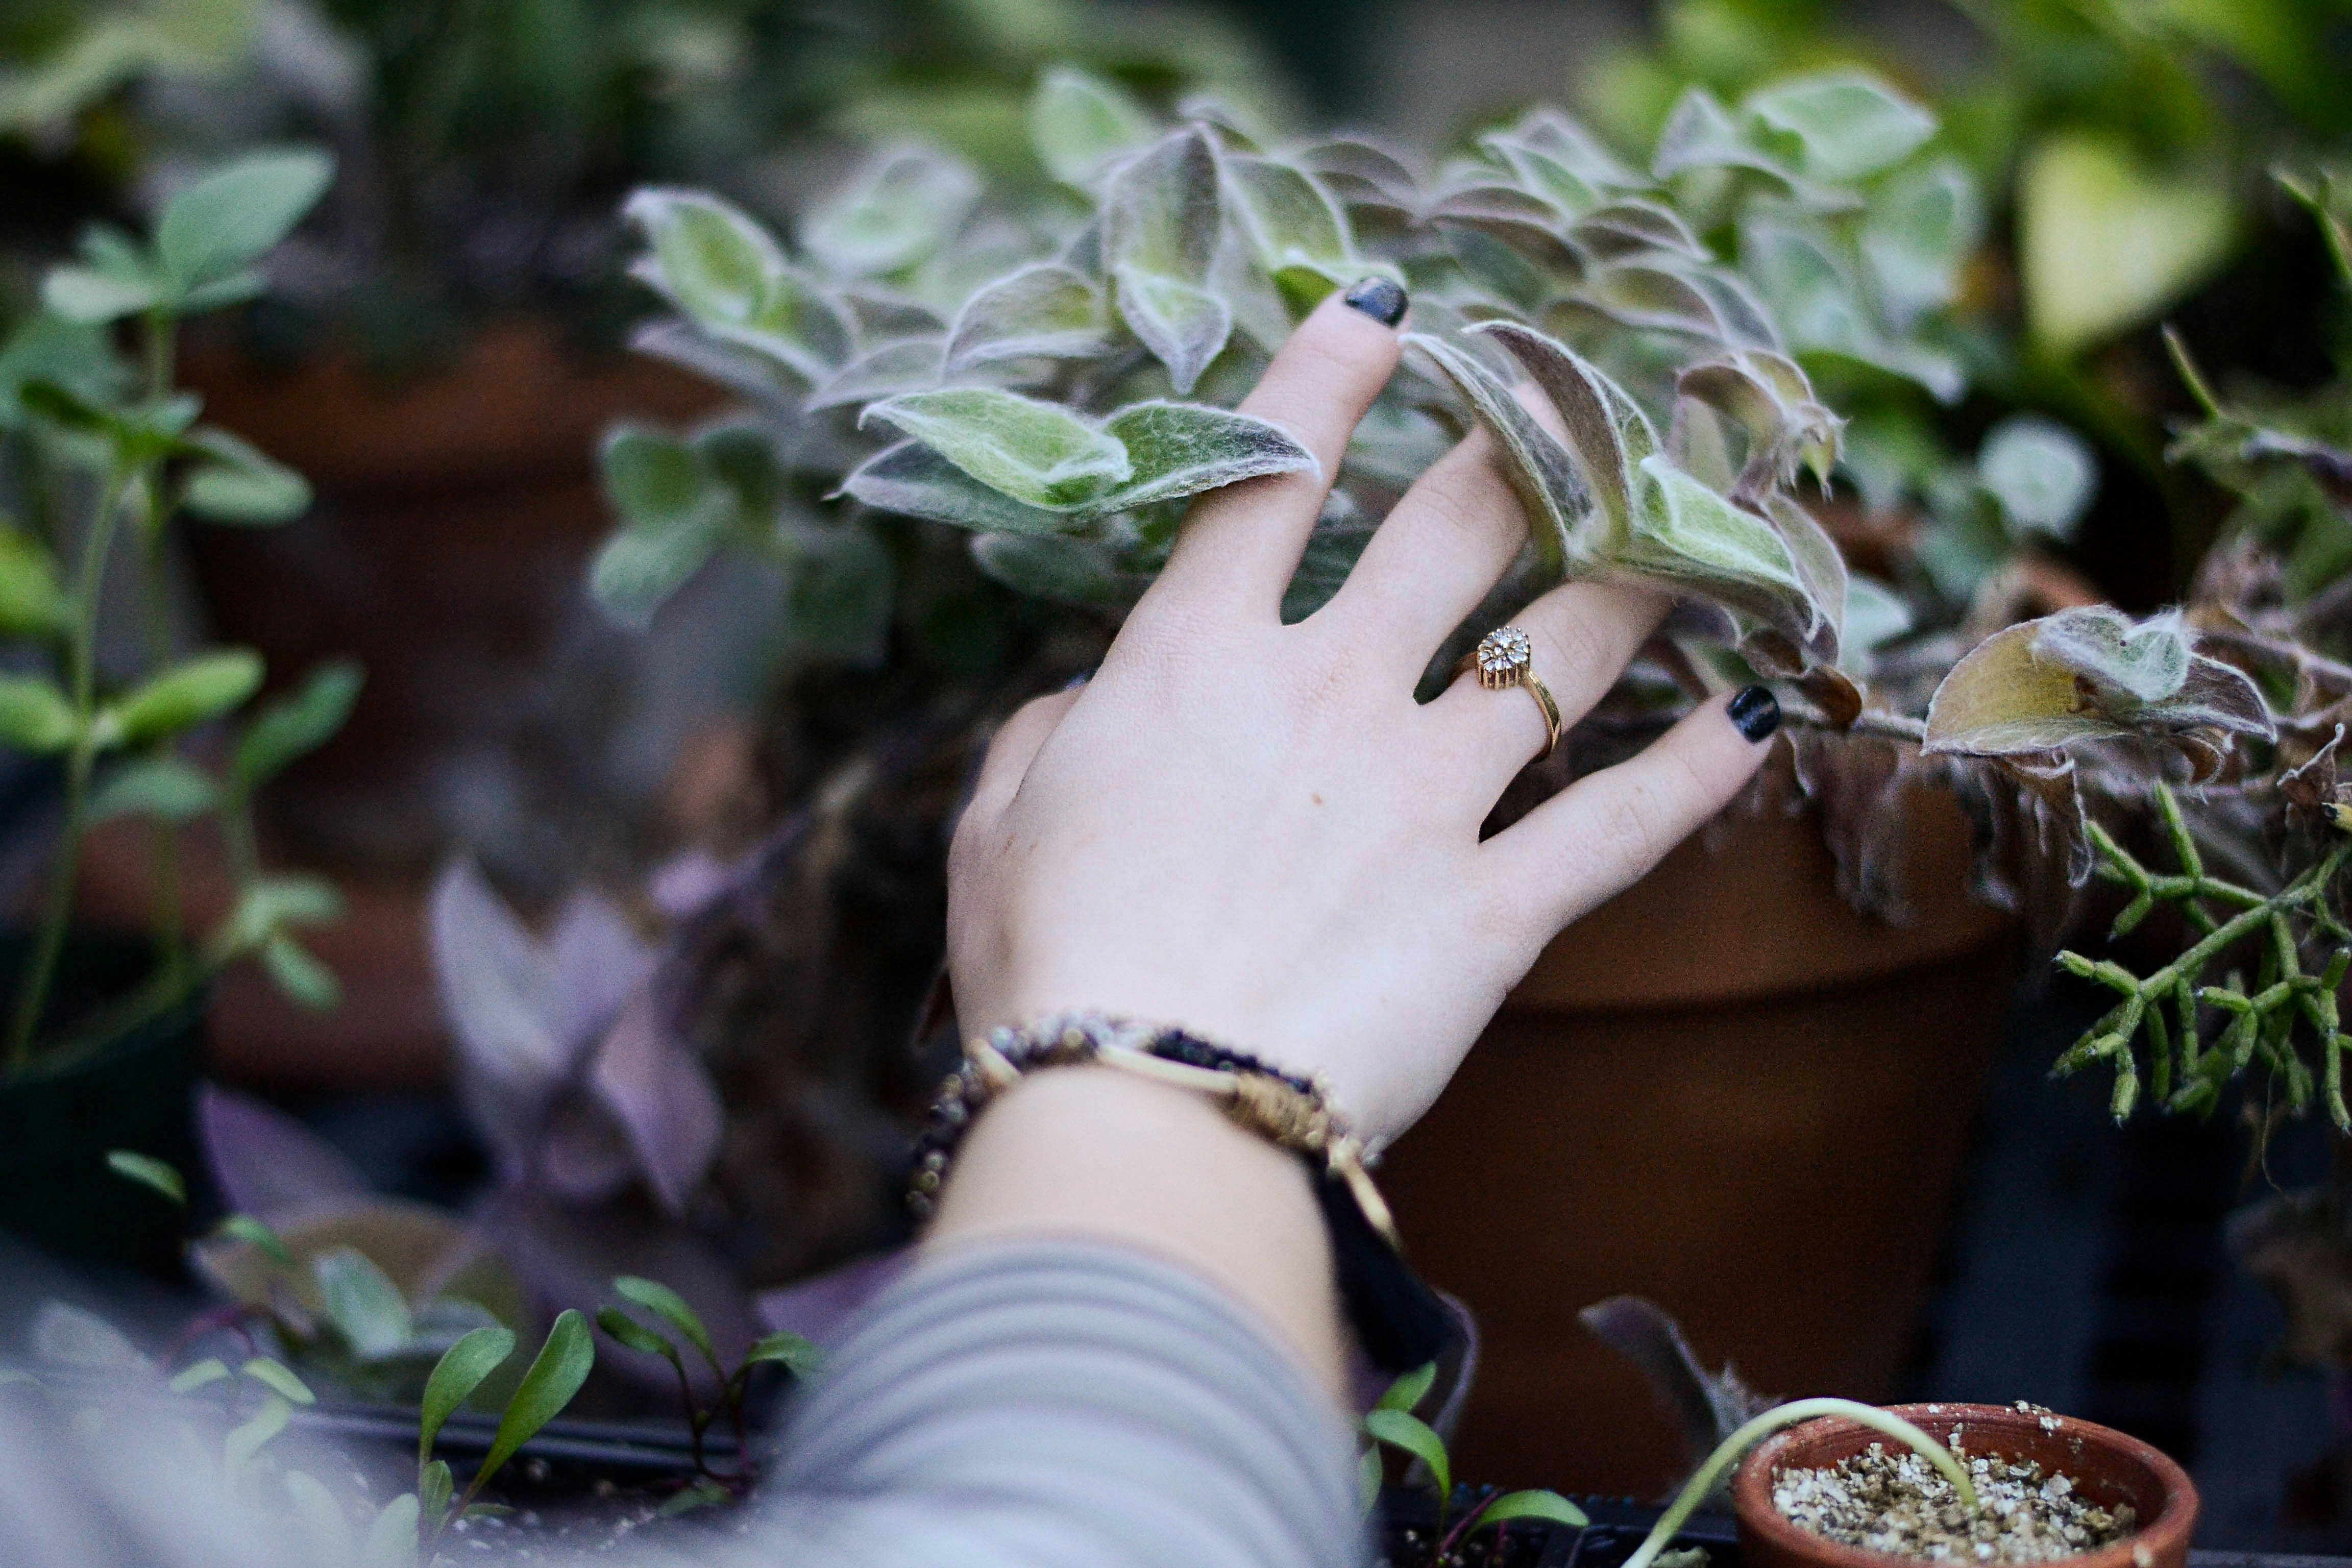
<point x="1092" y="1152"/>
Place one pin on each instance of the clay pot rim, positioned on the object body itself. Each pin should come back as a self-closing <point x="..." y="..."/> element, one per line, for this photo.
<point x="1751" y="1495"/>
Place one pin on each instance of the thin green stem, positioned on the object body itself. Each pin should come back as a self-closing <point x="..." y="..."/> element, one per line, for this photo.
<point x="162" y="841"/>
<point x="1732" y="1448"/>
<point x="40" y="968"/>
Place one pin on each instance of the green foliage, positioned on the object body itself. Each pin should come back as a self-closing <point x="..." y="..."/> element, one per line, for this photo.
<point x="134" y="449"/>
<point x="1391" y="1423"/>
<point x="149" y="1171"/>
<point x="455" y="1376"/>
<point x="556" y="1373"/>
<point x="789" y="1350"/>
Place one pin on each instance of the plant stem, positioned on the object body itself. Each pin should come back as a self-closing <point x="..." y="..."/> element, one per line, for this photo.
<point x="2330" y="676"/>
<point x="40" y="968"/>
<point x="163" y="839"/>
<point x="1729" y="1451"/>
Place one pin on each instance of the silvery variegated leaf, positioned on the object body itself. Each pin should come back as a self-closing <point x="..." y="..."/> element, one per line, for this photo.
<point x="1038" y="453"/>
<point x="1638" y="294"/>
<point x="2143" y="662"/>
<point x="1046" y="310"/>
<point x="1178" y="449"/>
<point x="879" y="314"/>
<point x="1363" y="174"/>
<point x="1080" y="125"/>
<point x="1291" y="221"/>
<point x="2002" y="701"/>
<point x="1064" y="571"/>
<point x="1849" y="123"/>
<point x="910" y="365"/>
<point x="1629" y="227"/>
<point x="2041" y="474"/>
<point x="1162" y="223"/>
<point x="1685" y="534"/>
<point x="1700" y="134"/>
<point x="1920" y="228"/>
<point x="1609" y="437"/>
<point x="729" y="277"/>
<point x="1821" y="305"/>
<point x="1538" y="464"/>
<point x="1770" y="398"/>
<point x="1576" y="150"/>
<point x="902" y="208"/>
<point x="911" y="480"/>
<point x="1183" y="324"/>
<point x="1820" y="566"/>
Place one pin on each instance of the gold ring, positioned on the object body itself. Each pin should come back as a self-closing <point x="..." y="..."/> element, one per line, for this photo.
<point x="1504" y="658"/>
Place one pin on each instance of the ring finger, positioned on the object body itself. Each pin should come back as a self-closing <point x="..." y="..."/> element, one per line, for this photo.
<point x="1581" y="637"/>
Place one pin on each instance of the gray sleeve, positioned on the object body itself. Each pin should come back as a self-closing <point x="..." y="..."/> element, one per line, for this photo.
<point x="1034" y="1405"/>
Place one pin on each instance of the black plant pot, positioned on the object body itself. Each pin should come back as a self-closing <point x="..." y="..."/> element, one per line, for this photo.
<point x="59" y="1117"/>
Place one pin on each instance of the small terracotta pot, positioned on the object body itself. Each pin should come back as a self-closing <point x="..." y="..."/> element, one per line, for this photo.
<point x="2105" y="1466"/>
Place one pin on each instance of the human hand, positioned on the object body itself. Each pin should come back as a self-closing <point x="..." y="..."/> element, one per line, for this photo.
<point x="1254" y="831"/>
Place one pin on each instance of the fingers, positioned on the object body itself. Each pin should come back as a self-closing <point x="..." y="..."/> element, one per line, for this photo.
<point x="1244" y="541"/>
<point x="1439" y="551"/>
<point x="1016" y="746"/>
<point x="1581" y="635"/>
<point x="1598" y="837"/>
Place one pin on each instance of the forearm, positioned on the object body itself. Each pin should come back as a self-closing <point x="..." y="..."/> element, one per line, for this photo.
<point x="1094" y="1153"/>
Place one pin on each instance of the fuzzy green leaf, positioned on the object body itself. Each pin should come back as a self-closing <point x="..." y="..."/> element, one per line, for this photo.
<point x="1608" y="433"/>
<point x="912" y="480"/>
<point x="729" y="277"/>
<point x="459" y="1372"/>
<point x="434" y="1489"/>
<point x="1080" y="125"/>
<point x="1178" y="449"/>
<point x="1409" y="1433"/>
<point x="164" y="787"/>
<point x="1290" y="220"/>
<point x="296" y="725"/>
<point x="669" y="1306"/>
<point x="234" y="214"/>
<point x="270" y="904"/>
<point x="188" y="694"/>
<point x="35" y="715"/>
<point x="1038" y="453"/>
<point x="2140" y="663"/>
<point x="2041" y="473"/>
<point x="239" y="483"/>
<point x="556" y="1373"/>
<point x="1059" y="570"/>
<point x="2000" y="700"/>
<point x="1849" y="123"/>
<point x="1685" y="532"/>
<point x="1921" y="226"/>
<point x="905" y="207"/>
<point x="1184" y="326"/>
<point x="1045" y="310"/>
<point x="149" y="1171"/>
<point x="1539" y="468"/>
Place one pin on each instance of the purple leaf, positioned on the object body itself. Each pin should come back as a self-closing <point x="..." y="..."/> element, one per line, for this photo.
<point x="653" y="1085"/>
<point x="582" y="1153"/>
<point x="599" y="960"/>
<point x="265" y="1162"/>
<point x="498" y="992"/>
<point x="817" y="1308"/>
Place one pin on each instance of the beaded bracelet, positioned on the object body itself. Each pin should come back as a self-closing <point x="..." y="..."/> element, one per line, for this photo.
<point x="1398" y="1319"/>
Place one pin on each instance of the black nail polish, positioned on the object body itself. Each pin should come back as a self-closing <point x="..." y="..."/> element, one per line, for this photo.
<point x="1379" y="298"/>
<point x="1077" y="680"/>
<point x="1755" y="712"/>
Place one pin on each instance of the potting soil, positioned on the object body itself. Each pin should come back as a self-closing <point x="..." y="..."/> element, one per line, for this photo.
<point x="1900" y="1504"/>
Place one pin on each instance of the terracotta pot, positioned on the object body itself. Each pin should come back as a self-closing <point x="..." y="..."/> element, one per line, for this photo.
<point x="457" y="513"/>
<point x="2105" y="1466"/>
<point x="1726" y="1090"/>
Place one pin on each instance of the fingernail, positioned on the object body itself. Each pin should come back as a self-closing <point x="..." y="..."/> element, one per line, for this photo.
<point x="1378" y="297"/>
<point x="1755" y="712"/>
